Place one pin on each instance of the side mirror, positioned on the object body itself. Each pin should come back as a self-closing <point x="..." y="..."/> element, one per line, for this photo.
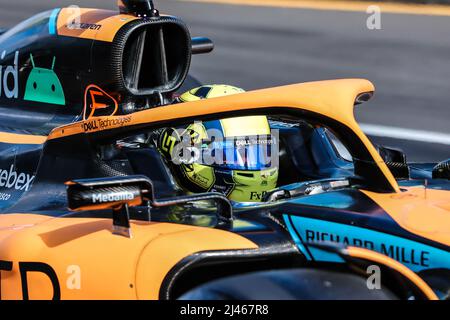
<point x="120" y="193"/>
<point x="363" y="97"/>
<point x="201" y="45"/>
<point x="395" y="160"/>
<point x="442" y="170"/>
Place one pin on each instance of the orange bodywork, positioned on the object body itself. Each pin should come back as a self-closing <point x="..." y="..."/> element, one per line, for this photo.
<point x="115" y="267"/>
<point x="7" y="137"/>
<point x="376" y="257"/>
<point x="424" y="212"/>
<point x="92" y="263"/>
<point x="95" y="24"/>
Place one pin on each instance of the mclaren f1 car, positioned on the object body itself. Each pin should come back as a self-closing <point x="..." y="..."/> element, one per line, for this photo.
<point x="90" y="208"/>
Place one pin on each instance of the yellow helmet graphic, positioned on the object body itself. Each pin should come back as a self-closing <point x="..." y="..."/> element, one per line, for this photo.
<point x="233" y="155"/>
<point x="209" y="91"/>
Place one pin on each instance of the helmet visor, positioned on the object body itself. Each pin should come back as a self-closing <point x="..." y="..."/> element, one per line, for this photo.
<point x="241" y="153"/>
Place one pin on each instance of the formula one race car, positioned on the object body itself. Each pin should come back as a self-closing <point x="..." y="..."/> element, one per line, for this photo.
<point x="93" y="206"/>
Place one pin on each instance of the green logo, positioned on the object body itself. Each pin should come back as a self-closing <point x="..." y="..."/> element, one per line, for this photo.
<point x="44" y="86"/>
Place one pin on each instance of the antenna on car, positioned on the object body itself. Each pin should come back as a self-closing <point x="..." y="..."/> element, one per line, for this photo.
<point x="140" y="8"/>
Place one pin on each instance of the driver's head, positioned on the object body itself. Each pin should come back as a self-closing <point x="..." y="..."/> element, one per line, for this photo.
<point x="231" y="156"/>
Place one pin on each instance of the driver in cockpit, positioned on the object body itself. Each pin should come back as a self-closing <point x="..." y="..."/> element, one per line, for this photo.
<point x="233" y="156"/>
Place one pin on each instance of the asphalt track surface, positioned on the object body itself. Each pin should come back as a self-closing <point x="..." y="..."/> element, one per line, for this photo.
<point x="408" y="60"/>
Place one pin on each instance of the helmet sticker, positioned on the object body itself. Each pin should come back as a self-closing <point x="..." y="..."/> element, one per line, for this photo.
<point x="209" y="91"/>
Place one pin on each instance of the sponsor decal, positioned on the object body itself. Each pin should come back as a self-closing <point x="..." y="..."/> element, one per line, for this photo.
<point x="199" y="179"/>
<point x="11" y="179"/>
<point x="83" y="26"/>
<point x="9" y="78"/>
<point x="34" y="267"/>
<point x="257" y="196"/>
<point x="255" y="140"/>
<point x="100" y="124"/>
<point x="73" y="281"/>
<point x="43" y="85"/>
<point x="4" y="196"/>
<point x="112" y="197"/>
<point x="98" y="102"/>
<point x="417" y="256"/>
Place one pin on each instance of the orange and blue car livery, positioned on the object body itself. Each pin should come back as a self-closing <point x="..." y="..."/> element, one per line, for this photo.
<point x="55" y="135"/>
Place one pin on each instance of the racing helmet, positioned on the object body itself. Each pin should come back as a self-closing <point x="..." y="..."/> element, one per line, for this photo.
<point x="232" y="156"/>
<point x="209" y="91"/>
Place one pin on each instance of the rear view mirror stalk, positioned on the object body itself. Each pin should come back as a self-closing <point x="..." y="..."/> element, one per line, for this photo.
<point x="120" y="193"/>
<point x="201" y="45"/>
<point x="121" y="221"/>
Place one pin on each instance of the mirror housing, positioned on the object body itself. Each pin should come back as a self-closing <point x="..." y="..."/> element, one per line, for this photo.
<point x="120" y="193"/>
<point x="442" y="170"/>
<point x="395" y="160"/>
<point x="201" y="45"/>
<point x="101" y="194"/>
<point x="363" y="97"/>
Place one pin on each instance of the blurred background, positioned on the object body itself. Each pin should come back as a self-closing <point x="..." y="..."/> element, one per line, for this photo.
<point x="259" y="46"/>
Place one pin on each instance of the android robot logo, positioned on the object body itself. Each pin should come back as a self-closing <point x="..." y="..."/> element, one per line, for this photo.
<point x="44" y="86"/>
